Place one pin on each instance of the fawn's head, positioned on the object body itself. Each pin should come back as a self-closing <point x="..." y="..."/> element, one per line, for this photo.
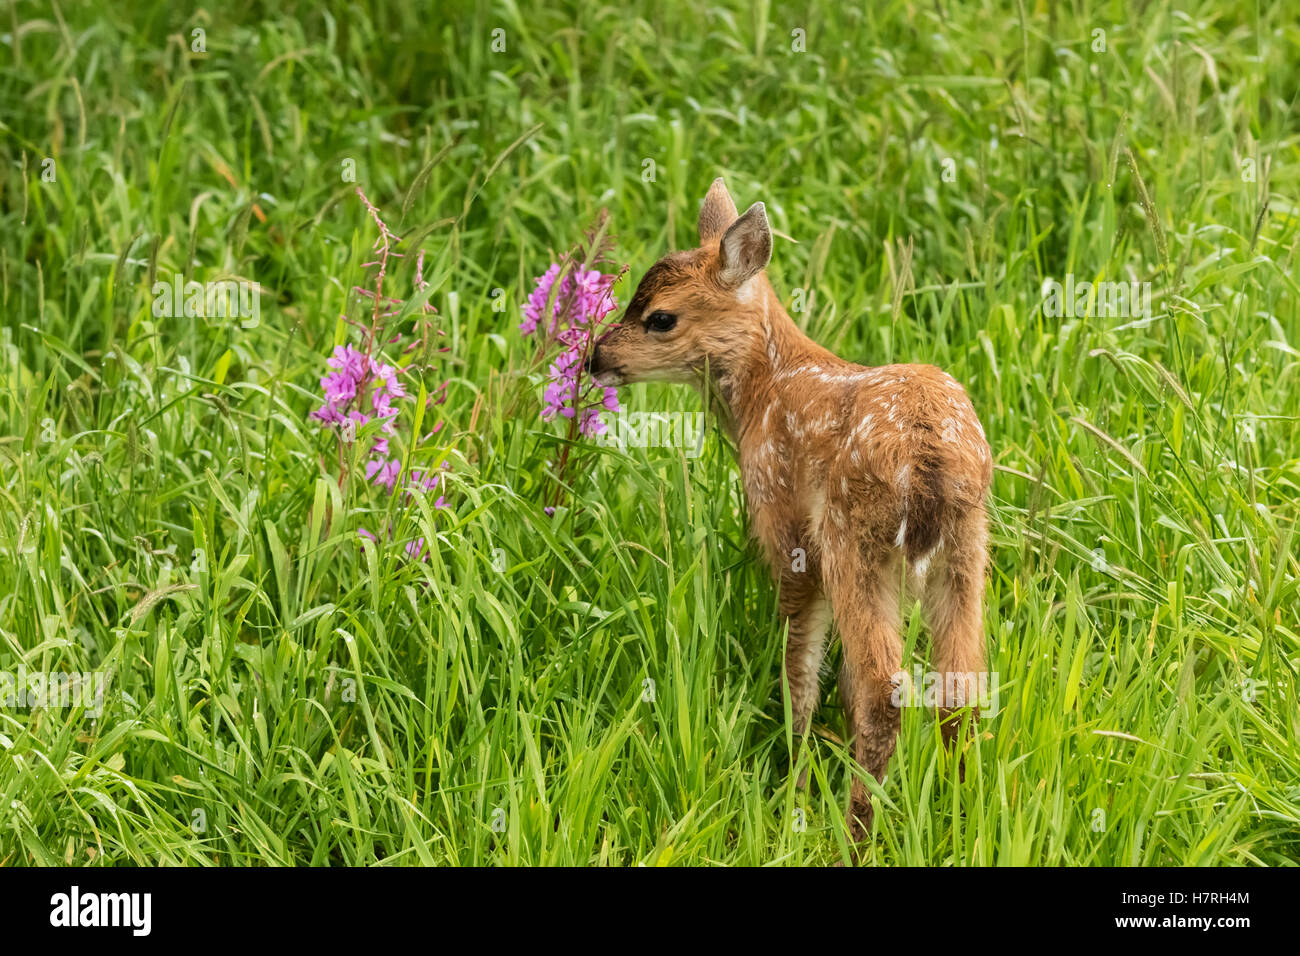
<point x="697" y="309"/>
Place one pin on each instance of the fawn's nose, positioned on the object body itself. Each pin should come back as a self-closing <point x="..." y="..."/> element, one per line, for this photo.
<point x="592" y="361"/>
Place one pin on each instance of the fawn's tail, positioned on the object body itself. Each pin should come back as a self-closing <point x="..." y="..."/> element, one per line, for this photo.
<point x="924" y="507"/>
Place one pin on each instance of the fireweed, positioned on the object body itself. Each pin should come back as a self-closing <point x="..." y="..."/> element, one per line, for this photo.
<point x="567" y="310"/>
<point x="362" y="388"/>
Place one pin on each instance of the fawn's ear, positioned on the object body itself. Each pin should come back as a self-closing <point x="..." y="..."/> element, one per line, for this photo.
<point x="746" y="247"/>
<point x="717" y="212"/>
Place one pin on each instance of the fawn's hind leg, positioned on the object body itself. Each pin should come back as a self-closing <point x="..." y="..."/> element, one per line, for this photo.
<point x="864" y="594"/>
<point x="952" y="600"/>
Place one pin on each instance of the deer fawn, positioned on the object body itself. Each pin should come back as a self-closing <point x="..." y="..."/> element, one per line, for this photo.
<point x="858" y="480"/>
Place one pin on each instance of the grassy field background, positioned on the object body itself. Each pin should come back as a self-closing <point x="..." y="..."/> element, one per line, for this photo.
<point x="279" y="693"/>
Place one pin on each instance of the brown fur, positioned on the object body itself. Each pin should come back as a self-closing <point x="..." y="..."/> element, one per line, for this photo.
<point x="878" y="474"/>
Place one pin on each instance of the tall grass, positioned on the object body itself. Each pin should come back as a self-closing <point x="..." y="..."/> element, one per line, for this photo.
<point x="603" y="686"/>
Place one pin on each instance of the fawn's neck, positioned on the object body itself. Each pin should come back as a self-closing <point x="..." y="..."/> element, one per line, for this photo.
<point x="752" y="377"/>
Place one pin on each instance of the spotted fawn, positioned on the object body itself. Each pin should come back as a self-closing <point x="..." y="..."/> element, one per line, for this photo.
<point x="862" y="483"/>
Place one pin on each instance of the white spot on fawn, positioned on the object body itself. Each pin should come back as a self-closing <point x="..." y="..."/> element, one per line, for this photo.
<point x="903" y="478"/>
<point x="922" y="565"/>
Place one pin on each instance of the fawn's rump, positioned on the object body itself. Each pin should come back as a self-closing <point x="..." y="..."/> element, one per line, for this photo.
<point x="935" y="457"/>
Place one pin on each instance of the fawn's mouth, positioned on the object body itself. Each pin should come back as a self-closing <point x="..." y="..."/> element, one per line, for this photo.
<point x="608" y="377"/>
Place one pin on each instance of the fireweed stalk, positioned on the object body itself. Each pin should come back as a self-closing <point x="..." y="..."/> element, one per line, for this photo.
<point x="362" y="388"/>
<point x="567" y="310"/>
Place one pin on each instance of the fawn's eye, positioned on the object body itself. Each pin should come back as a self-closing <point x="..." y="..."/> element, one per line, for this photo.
<point x="660" y="321"/>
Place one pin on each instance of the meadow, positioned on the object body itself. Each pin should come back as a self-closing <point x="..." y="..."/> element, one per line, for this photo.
<point x="602" y="684"/>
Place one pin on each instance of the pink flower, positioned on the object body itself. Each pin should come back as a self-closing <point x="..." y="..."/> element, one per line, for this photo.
<point x="387" y="376"/>
<point x="537" y="302"/>
<point x="340" y="388"/>
<point x="348" y="361"/>
<point x="414" y="549"/>
<point x="361" y="388"/>
<point x="584" y="297"/>
<point x="426" y="482"/>
<point x="591" y="296"/>
<point x="383" y="472"/>
<point x="354" y="374"/>
<point x="582" y="301"/>
<point x="590" y="423"/>
<point x="328" y="414"/>
<point x="567" y="393"/>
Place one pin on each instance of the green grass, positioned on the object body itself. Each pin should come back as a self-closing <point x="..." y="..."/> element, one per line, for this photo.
<point x="1142" y="601"/>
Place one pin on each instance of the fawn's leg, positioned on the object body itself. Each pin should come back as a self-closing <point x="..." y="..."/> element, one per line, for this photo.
<point x="952" y="601"/>
<point x="805" y="647"/>
<point x="864" y="593"/>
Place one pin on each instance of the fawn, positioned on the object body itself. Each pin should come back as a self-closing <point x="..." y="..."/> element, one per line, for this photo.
<point x="869" y="478"/>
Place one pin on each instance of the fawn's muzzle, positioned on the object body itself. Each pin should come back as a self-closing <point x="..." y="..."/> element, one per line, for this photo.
<point x="601" y="370"/>
<point x="597" y="361"/>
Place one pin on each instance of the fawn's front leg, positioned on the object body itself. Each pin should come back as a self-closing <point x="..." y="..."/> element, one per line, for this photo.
<point x="810" y="620"/>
